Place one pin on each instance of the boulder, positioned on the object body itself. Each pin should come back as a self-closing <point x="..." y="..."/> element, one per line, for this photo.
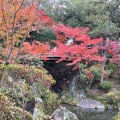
<point x="110" y="107"/>
<point x="38" y="100"/>
<point x="61" y="113"/>
<point x="90" y="104"/>
<point x="30" y="105"/>
<point x="36" y="114"/>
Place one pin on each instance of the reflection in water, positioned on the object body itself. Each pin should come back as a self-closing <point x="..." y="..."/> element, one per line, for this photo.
<point x="91" y="114"/>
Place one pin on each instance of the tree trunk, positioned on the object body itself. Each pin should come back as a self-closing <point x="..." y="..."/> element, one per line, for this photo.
<point x="104" y="61"/>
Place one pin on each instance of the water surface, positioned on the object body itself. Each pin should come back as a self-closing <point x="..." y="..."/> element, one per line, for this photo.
<point x="91" y="114"/>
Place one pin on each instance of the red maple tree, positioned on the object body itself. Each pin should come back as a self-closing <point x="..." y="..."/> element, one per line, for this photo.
<point x="17" y="19"/>
<point x="112" y="50"/>
<point x="83" y="48"/>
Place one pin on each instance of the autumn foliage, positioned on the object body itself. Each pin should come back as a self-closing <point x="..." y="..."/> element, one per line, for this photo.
<point x="17" y="19"/>
<point x="112" y="50"/>
<point x="36" y="47"/>
<point x="83" y="48"/>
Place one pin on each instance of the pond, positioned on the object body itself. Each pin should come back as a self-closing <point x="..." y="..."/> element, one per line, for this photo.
<point x="91" y="114"/>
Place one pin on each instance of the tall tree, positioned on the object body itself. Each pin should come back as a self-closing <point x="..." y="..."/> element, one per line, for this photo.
<point x="110" y="46"/>
<point x="83" y="49"/>
<point x="90" y="13"/>
<point x="17" y="19"/>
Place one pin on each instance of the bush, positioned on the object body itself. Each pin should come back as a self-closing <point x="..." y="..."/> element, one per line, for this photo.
<point x="112" y="98"/>
<point x="29" y="73"/>
<point x="49" y="98"/>
<point x="111" y="66"/>
<point x="9" y="112"/>
<point x="96" y="71"/>
<point x="67" y="98"/>
<point x="106" y="85"/>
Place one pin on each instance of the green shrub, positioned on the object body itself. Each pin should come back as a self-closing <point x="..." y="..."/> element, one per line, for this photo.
<point x="86" y="76"/>
<point x="112" y="67"/>
<point x="17" y="92"/>
<point x="106" y="85"/>
<point x="10" y="112"/>
<point x="52" y="99"/>
<point x="112" y="98"/>
<point x="96" y="71"/>
<point x="49" y="98"/>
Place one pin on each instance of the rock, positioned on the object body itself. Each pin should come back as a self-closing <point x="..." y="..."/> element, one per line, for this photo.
<point x="38" y="100"/>
<point x="36" y="114"/>
<point x="91" y="110"/>
<point x="118" y="105"/>
<point x="61" y="113"/>
<point x="82" y="94"/>
<point x="37" y="111"/>
<point x="34" y="89"/>
<point x="110" y="107"/>
<point x="30" y="106"/>
<point x="10" y="78"/>
<point x="89" y="103"/>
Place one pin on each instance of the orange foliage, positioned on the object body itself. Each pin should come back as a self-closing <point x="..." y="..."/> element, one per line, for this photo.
<point x="17" y="19"/>
<point x="61" y="37"/>
<point x="36" y="48"/>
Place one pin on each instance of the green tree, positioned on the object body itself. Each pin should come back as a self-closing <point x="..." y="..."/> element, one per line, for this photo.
<point x="44" y="35"/>
<point x="90" y="13"/>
